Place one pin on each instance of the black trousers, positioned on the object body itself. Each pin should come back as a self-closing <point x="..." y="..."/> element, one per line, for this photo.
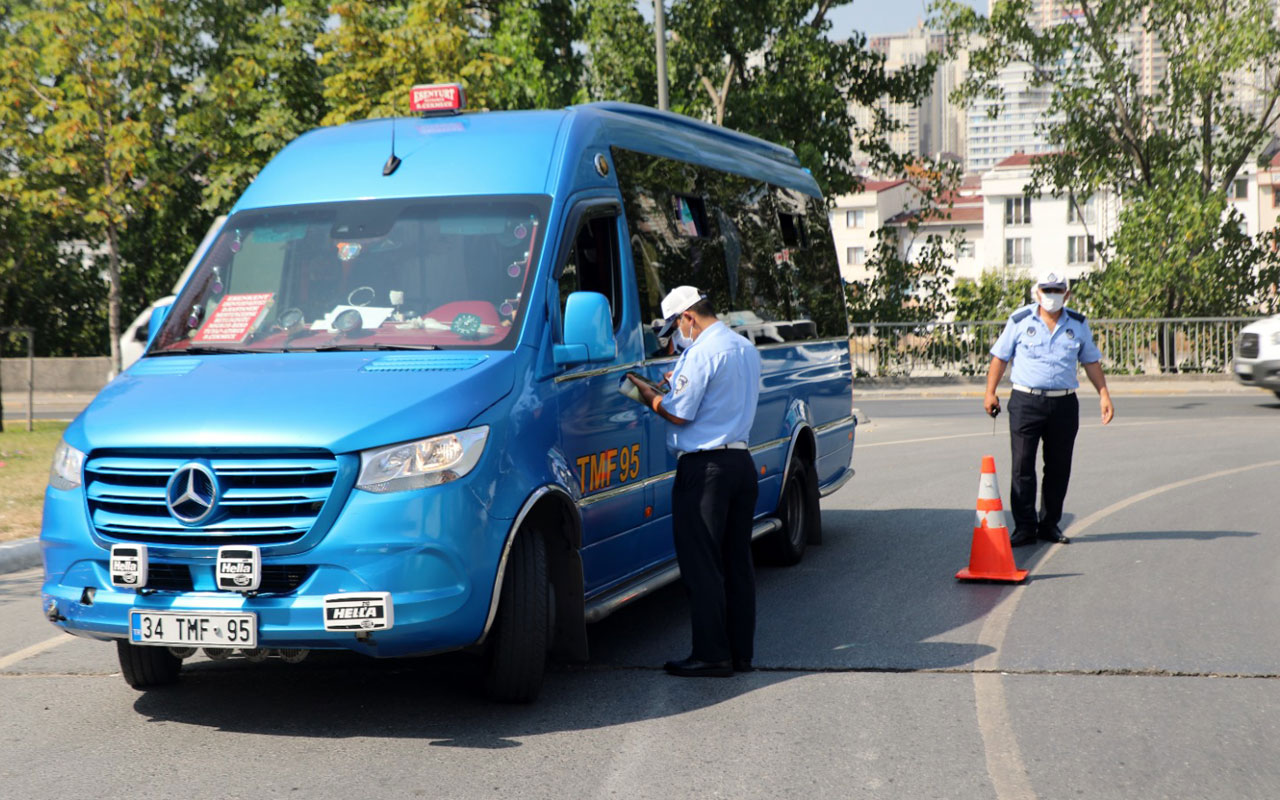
<point x="1054" y="421"/>
<point x="713" y="503"/>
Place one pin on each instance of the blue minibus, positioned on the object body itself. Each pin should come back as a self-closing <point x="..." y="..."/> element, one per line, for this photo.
<point x="383" y="414"/>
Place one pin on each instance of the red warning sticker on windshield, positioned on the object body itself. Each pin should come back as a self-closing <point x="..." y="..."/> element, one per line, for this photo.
<point x="234" y="317"/>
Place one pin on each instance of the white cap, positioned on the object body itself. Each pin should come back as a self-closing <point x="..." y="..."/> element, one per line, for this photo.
<point x="678" y="301"/>
<point x="1052" y="279"/>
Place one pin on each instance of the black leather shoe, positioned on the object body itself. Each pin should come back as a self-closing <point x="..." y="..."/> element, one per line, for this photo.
<point x="1022" y="536"/>
<point x="1052" y="534"/>
<point x="692" y="668"/>
<point x="743" y="665"/>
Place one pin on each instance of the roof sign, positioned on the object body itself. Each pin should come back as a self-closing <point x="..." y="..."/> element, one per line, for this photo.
<point x="437" y="98"/>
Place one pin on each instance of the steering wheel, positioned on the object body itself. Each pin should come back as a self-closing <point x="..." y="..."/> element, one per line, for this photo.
<point x="351" y="298"/>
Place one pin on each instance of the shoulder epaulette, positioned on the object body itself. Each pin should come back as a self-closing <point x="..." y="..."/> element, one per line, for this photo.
<point x="1076" y="315"/>
<point x="1021" y="315"/>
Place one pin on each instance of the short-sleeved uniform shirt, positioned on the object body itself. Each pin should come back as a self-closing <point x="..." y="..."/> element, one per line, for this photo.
<point x="715" y="385"/>
<point x="1044" y="360"/>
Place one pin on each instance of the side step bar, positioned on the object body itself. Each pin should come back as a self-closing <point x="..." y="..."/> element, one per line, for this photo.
<point x="600" y="607"/>
<point x="834" y="486"/>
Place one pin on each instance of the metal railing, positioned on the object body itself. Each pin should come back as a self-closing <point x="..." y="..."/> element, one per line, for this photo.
<point x="1129" y="346"/>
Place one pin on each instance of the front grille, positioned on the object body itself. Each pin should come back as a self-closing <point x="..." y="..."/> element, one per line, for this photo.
<point x="1248" y="345"/>
<point x="169" y="577"/>
<point x="265" y="500"/>
<point x="276" y="578"/>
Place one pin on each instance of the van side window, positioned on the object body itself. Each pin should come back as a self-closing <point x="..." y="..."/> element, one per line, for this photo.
<point x="763" y="253"/>
<point x="592" y="264"/>
<point x="676" y="238"/>
<point x="821" y="291"/>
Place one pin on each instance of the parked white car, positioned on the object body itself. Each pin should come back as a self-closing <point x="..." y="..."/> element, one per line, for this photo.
<point x="133" y="340"/>
<point x="1257" y="361"/>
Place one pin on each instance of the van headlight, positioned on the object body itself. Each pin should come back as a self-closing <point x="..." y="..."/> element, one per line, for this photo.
<point x="68" y="463"/>
<point x="427" y="462"/>
<point x="1275" y="338"/>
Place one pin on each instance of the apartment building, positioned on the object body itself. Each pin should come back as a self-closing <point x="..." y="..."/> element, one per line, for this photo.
<point x="1027" y="234"/>
<point x="855" y="219"/>
<point x="1268" y="195"/>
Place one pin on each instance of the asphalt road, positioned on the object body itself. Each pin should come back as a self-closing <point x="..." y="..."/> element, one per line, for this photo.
<point x="1140" y="661"/>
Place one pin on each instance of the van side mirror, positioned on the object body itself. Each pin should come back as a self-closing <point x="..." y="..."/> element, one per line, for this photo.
<point x="588" y="331"/>
<point x="158" y="315"/>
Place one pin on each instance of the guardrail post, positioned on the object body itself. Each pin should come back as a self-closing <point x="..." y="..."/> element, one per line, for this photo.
<point x="31" y="379"/>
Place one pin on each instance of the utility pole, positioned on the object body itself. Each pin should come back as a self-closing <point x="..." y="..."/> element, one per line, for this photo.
<point x="660" y="35"/>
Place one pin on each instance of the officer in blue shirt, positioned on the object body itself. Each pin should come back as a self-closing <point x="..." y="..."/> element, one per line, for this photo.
<point x="710" y="408"/>
<point x="1045" y="341"/>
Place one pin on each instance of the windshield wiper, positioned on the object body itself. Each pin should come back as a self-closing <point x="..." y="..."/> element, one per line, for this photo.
<point x="350" y="346"/>
<point x="213" y="351"/>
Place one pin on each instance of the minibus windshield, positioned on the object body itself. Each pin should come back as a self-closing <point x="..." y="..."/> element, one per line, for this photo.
<point x="413" y="274"/>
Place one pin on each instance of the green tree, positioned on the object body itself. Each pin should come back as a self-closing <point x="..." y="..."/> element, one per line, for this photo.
<point x="256" y="85"/>
<point x="1170" y="147"/>
<point x="910" y="287"/>
<point x="86" y="116"/>
<point x="620" y="61"/>
<point x="991" y="297"/>
<point x="1179" y="253"/>
<point x="534" y="63"/>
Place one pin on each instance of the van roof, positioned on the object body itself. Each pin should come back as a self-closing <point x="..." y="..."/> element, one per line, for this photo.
<point x="506" y="152"/>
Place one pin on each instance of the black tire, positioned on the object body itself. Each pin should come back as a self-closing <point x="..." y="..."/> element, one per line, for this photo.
<point x="521" y="635"/>
<point x="147" y="667"/>
<point x="800" y="515"/>
<point x="1277" y="394"/>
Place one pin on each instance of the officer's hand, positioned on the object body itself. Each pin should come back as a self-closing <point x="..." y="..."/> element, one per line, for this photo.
<point x="991" y="404"/>
<point x="1108" y="411"/>
<point x="645" y="392"/>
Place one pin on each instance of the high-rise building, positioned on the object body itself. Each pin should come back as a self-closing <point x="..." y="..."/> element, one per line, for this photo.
<point x="935" y="125"/>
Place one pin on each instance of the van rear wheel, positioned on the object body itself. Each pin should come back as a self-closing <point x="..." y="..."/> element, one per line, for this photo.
<point x="147" y="667"/>
<point x="799" y="512"/>
<point x="521" y="636"/>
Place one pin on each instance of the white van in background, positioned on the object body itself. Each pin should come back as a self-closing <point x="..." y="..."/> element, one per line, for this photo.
<point x="1257" y="361"/>
<point x="133" y="340"/>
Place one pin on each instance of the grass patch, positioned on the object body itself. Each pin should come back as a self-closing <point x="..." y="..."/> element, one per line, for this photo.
<point x="24" y="472"/>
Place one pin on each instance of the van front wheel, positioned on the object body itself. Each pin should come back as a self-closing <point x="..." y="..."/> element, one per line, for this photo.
<point x="517" y="654"/>
<point x="147" y="667"/>
<point x="799" y="512"/>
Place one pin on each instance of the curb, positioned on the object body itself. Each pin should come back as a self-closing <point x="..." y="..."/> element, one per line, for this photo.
<point x="19" y="555"/>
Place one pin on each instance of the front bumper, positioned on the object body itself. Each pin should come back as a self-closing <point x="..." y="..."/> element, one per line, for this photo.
<point x="440" y="576"/>
<point x="1264" y="374"/>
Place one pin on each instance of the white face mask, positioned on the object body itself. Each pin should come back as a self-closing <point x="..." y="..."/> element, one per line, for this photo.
<point x="1052" y="302"/>
<point x="679" y="340"/>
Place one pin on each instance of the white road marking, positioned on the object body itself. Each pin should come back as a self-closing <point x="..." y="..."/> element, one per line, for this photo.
<point x="1004" y="759"/>
<point x="33" y="650"/>
<point x="860" y="444"/>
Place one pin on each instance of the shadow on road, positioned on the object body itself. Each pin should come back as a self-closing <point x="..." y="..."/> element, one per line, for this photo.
<point x="879" y="595"/>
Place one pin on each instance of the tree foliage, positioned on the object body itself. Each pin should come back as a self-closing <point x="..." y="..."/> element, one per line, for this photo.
<point x="1169" y="142"/>
<point x="1181" y="254"/>
<point x="990" y="297"/>
<point x="126" y="125"/>
<point x="87" y="108"/>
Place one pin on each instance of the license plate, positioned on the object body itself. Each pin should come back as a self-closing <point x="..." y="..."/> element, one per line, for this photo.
<point x="1244" y="369"/>
<point x="209" y="628"/>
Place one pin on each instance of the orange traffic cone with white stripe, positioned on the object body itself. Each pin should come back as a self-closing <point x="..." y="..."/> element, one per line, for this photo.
<point x="991" y="556"/>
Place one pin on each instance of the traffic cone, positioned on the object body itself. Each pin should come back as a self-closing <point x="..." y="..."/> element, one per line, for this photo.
<point x="991" y="556"/>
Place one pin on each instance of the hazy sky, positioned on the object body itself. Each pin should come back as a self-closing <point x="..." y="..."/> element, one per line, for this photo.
<point x="883" y="16"/>
<point x="869" y="16"/>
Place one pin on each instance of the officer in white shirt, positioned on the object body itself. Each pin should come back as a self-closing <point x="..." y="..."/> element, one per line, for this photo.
<point x="1047" y="342"/>
<point x="710" y="408"/>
